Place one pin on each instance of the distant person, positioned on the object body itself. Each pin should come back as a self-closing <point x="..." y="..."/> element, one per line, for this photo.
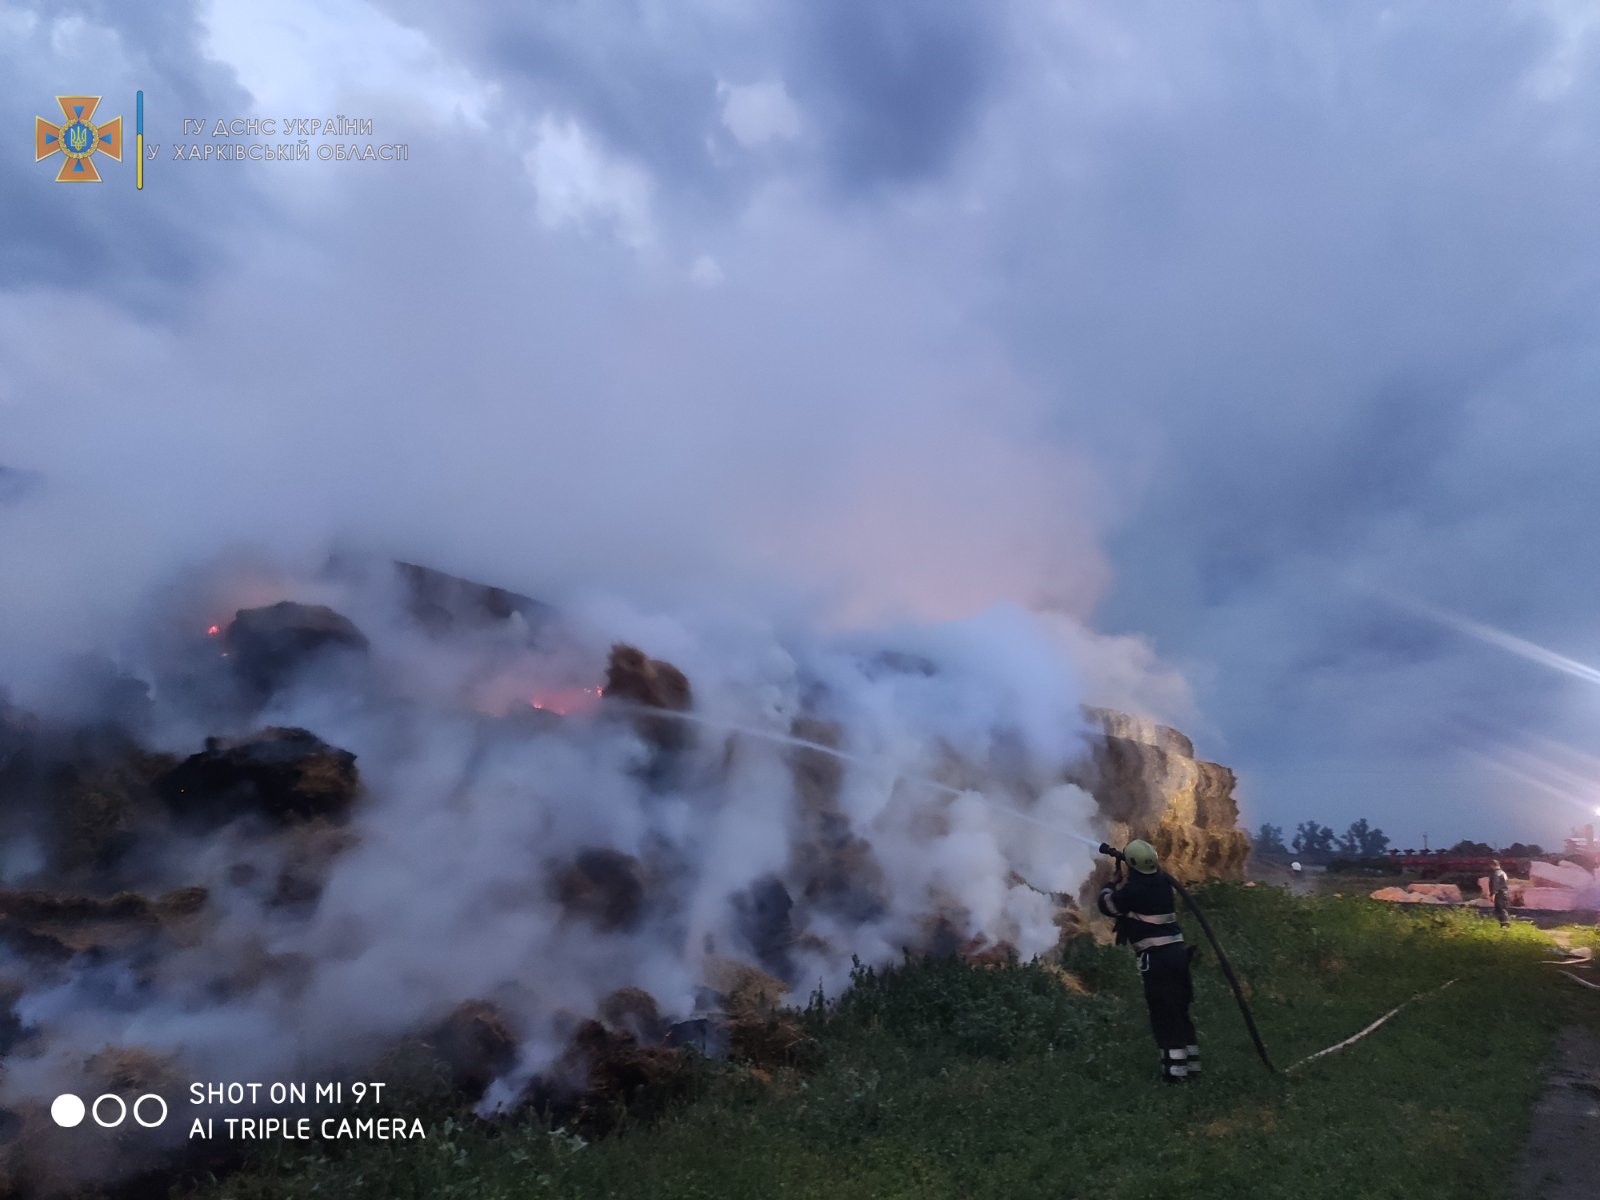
<point x="1145" y="911"/>
<point x="1500" y="889"/>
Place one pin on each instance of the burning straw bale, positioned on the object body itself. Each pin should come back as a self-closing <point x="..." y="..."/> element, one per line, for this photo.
<point x="1147" y="783"/>
<point x="602" y="886"/>
<point x="286" y="774"/>
<point x="306" y="856"/>
<point x="942" y="935"/>
<point x="46" y="927"/>
<point x="270" y="647"/>
<point x="443" y="603"/>
<point x="764" y="912"/>
<point x="634" y="1010"/>
<point x="743" y="989"/>
<point x="771" y="1040"/>
<point x="634" y="678"/>
<point x="837" y="870"/>
<point x="753" y="1026"/>
<point x="102" y="806"/>
<point x="84" y="794"/>
<point x="476" y="1045"/>
<point x="605" y="1075"/>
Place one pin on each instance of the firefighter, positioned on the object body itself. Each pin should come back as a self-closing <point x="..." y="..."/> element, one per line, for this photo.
<point x="1144" y="909"/>
<point x="1500" y="889"/>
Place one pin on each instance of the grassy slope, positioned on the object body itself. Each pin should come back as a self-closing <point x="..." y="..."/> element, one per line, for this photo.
<point x="948" y="1080"/>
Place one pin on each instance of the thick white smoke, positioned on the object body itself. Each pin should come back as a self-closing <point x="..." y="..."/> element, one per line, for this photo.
<point x="952" y="744"/>
<point x="780" y="483"/>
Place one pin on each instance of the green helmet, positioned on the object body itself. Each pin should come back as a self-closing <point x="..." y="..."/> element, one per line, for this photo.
<point x="1141" y="856"/>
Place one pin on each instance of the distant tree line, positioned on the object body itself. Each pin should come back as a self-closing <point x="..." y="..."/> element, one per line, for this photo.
<point x="1319" y="844"/>
<point x="1314" y="843"/>
<point x="1484" y="850"/>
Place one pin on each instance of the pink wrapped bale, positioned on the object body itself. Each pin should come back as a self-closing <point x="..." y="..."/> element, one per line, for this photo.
<point x="1561" y="887"/>
<point x="1550" y="899"/>
<point x="1561" y="875"/>
<point x="1445" y="893"/>
<point x="1396" y="895"/>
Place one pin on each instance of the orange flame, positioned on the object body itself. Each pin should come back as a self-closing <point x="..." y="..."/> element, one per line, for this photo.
<point x="570" y="702"/>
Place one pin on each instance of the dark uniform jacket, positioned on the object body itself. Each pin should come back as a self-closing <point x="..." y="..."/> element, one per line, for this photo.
<point x="1144" y="909"/>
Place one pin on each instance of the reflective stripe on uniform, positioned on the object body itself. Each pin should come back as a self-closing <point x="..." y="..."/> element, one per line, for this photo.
<point x="1153" y="918"/>
<point x="1105" y="899"/>
<point x="1152" y="943"/>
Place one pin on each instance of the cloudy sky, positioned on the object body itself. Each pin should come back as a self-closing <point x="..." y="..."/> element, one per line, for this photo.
<point x="1263" y="335"/>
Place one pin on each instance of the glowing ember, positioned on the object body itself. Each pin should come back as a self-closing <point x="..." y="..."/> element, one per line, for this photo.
<point x="214" y="630"/>
<point x="570" y="702"/>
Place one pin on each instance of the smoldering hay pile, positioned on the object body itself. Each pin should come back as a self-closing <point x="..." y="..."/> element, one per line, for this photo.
<point x="306" y="822"/>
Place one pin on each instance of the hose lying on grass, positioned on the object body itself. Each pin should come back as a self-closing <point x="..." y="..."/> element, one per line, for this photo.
<point x="1227" y="971"/>
<point x="1351" y="1040"/>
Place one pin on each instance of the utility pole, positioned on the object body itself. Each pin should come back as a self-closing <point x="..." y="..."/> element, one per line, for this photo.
<point x="1424" y="841"/>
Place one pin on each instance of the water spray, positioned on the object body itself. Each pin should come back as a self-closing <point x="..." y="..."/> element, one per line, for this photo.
<point x="1222" y="957"/>
<point x="1101" y="847"/>
<point x="783" y="739"/>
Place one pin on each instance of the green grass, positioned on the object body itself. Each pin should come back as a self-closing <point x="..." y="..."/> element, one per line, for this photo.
<point x="944" y="1080"/>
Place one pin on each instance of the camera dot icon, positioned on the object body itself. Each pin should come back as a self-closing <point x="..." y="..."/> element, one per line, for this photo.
<point x="67" y="1110"/>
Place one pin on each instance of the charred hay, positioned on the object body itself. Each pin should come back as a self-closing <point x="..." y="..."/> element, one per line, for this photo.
<point x="84" y="794"/>
<point x="284" y="774"/>
<point x="634" y="1010"/>
<point x="444" y="604"/>
<point x="636" y="680"/>
<point x="836" y="869"/>
<point x="602" y="886"/>
<point x="45" y="928"/>
<point x="763" y="914"/>
<point x="476" y="1044"/>
<point x="270" y="648"/>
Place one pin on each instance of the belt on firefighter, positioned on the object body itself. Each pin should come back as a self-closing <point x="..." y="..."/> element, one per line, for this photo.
<point x="1152" y="942"/>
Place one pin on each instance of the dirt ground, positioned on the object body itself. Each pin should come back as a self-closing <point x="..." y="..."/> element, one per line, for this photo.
<point x="1561" y="1160"/>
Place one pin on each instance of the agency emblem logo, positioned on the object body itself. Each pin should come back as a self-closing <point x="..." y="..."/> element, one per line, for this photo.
<point x="78" y="139"/>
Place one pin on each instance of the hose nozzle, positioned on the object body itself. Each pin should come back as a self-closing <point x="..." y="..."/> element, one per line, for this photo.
<point x="1107" y="848"/>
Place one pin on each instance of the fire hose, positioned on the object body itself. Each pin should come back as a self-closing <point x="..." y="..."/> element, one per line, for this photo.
<point x="1222" y="957"/>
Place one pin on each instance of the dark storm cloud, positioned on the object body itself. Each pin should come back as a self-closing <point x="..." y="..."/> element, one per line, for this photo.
<point x="888" y="92"/>
<point x="643" y="78"/>
<point x="895" y="88"/>
<point x="135" y="247"/>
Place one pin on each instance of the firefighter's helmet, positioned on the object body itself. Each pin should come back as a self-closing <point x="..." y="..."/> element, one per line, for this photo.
<point x="1141" y="856"/>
